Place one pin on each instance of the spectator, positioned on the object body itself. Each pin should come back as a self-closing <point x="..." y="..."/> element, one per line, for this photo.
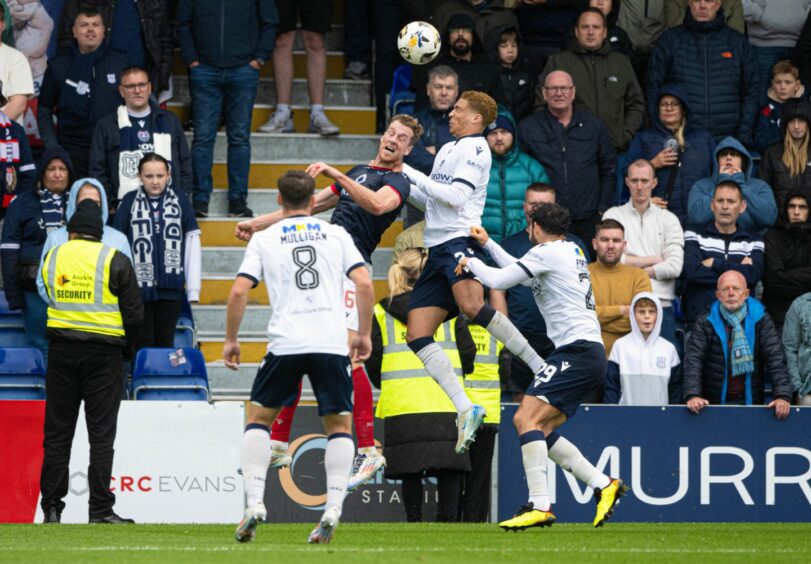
<point x="140" y="28"/>
<point x="773" y="28"/>
<point x="17" y="166"/>
<point x="512" y="170"/>
<point x="604" y="79"/>
<point x="80" y="86"/>
<point x="733" y="162"/>
<point x="16" y="82"/>
<point x="733" y="350"/>
<point x="797" y="346"/>
<point x="544" y="26"/>
<point x="643" y="368"/>
<point x="518" y="303"/>
<point x="784" y="166"/>
<point x="490" y="17"/>
<point x="7" y="35"/>
<point x="654" y="242"/>
<point x="420" y="429"/>
<point x="675" y="13"/>
<point x="680" y="152"/>
<point x="165" y="240"/>
<point x="801" y="56"/>
<point x="575" y="149"/>
<point x="722" y="89"/>
<point x="224" y="43"/>
<point x="644" y="22"/>
<point x="316" y="18"/>
<point x="31" y="27"/>
<point x="465" y="56"/>
<point x="139" y="127"/>
<point x="358" y="39"/>
<point x="787" y="255"/>
<point x="31" y="216"/>
<point x="617" y="38"/>
<point x="785" y="86"/>
<point x="720" y="246"/>
<point x="615" y="284"/>
<point x="517" y="84"/>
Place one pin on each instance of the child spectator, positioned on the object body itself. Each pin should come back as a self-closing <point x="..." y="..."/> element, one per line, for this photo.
<point x="785" y="85"/>
<point x="516" y="82"/>
<point x="643" y="368"/>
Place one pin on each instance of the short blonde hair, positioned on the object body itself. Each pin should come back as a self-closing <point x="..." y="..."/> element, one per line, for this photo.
<point x="410" y="122"/>
<point x="483" y="104"/>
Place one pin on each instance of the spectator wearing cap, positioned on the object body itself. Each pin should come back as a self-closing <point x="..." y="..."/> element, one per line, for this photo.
<point x="784" y="165"/>
<point x="715" y="65"/>
<point x="605" y="81"/>
<point x="465" y="55"/>
<point x="489" y="18"/>
<point x="733" y="162"/>
<point x="512" y="170"/>
<point x="785" y="85"/>
<point x="16" y="80"/>
<point x="717" y="247"/>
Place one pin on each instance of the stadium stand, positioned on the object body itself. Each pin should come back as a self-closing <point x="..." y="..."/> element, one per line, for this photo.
<point x="170" y="374"/>
<point x="22" y="373"/>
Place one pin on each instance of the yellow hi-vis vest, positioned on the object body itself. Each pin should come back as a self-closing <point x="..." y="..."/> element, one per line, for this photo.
<point x="405" y="386"/>
<point x="77" y="281"/>
<point x="483" y="386"/>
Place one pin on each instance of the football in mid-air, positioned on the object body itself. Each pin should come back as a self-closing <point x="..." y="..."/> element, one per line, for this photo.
<point x="419" y="43"/>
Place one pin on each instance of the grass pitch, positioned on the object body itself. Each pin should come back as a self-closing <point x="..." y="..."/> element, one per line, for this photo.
<point x="384" y="543"/>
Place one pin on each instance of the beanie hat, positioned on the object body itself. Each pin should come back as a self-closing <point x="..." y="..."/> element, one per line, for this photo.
<point x="87" y="219"/>
<point x="461" y="21"/>
<point x="502" y="122"/>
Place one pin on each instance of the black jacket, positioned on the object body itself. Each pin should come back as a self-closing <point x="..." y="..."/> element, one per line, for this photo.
<point x="106" y="146"/>
<point x="787" y="258"/>
<point x="156" y="27"/>
<point x="772" y="170"/>
<point x="705" y="365"/>
<point x="579" y="159"/>
<point x="477" y="74"/>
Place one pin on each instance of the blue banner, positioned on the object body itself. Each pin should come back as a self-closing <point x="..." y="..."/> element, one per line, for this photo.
<point x="724" y="464"/>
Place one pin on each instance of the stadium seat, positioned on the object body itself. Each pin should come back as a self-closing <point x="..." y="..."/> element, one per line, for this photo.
<point x="22" y="374"/>
<point x="9" y="317"/>
<point x="185" y="332"/>
<point x="166" y="374"/>
<point x="401" y="97"/>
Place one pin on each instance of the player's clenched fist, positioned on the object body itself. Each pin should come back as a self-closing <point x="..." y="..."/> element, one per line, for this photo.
<point x="360" y="348"/>
<point x="461" y="267"/>
<point x="480" y="234"/>
<point x="230" y="354"/>
<point x="244" y="230"/>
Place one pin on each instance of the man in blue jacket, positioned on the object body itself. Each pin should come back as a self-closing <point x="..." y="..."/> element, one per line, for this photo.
<point x="715" y="65"/>
<point x="224" y="43"/>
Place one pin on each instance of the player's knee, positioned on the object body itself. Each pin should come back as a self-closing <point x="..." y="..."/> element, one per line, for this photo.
<point x="471" y="308"/>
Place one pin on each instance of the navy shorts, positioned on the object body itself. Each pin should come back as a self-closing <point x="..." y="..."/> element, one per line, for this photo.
<point x="569" y="374"/>
<point x="278" y="377"/>
<point x="433" y="289"/>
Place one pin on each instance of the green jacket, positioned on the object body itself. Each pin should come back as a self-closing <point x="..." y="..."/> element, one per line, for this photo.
<point x="510" y="175"/>
<point x="797" y="343"/>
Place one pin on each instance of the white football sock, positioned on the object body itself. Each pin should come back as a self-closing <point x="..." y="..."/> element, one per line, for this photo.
<point x="439" y="366"/>
<point x="338" y="460"/>
<point x="503" y="330"/>
<point x="255" y="458"/>
<point x="567" y="456"/>
<point x="534" y="457"/>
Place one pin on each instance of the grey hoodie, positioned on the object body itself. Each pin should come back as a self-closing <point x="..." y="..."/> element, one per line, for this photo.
<point x="775" y="23"/>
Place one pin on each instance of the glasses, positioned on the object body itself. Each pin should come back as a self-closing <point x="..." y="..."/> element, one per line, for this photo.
<point x="136" y="86"/>
<point x="558" y="89"/>
<point x="669" y="105"/>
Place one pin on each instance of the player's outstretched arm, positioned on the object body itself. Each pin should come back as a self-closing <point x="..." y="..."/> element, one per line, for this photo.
<point x="237" y="301"/>
<point x="496" y="278"/>
<point x="361" y="344"/>
<point x="499" y="255"/>
<point x="453" y="195"/>
<point x="376" y="203"/>
<point x="324" y="200"/>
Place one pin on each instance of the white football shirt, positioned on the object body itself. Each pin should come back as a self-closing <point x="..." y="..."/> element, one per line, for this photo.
<point x="303" y="261"/>
<point x="466" y="160"/>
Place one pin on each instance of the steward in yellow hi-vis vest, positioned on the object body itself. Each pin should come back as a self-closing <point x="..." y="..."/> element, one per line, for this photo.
<point x="483" y="387"/>
<point x="95" y="315"/>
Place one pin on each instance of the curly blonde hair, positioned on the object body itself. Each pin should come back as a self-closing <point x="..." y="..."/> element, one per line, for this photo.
<point x="482" y="104"/>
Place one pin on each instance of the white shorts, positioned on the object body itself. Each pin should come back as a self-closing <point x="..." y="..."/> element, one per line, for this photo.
<point x="350" y="303"/>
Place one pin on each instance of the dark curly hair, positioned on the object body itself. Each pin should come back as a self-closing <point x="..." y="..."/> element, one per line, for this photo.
<point x="552" y="218"/>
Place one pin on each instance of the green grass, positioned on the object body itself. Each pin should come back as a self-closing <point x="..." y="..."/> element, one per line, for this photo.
<point x="402" y="542"/>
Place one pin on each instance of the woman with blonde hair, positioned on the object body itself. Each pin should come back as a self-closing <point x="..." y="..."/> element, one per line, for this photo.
<point x="785" y="164"/>
<point x="419" y="419"/>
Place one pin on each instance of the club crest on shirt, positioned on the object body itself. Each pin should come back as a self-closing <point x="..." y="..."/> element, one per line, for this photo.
<point x="130" y="165"/>
<point x="143" y="136"/>
<point x="661" y="362"/>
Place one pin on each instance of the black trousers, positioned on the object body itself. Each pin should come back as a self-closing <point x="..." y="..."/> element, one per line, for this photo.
<point x="160" y="319"/>
<point x="76" y="373"/>
<point x="449" y="488"/>
<point x="79" y="155"/>
<point x="476" y="483"/>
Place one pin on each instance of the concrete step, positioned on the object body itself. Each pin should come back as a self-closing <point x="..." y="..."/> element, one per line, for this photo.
<point x="210" y="320"/>
<point x="337" y="92"/>
<point x="335" y="65"/>
<point x="353" y="120"/>
<point x="251" y="350"/>
<point x="284" y="149"/>
<point x="215" y="290"/>
<point x="219" y="232"/>
<point x="262" y="176"/>
<point x="224" y="261"/>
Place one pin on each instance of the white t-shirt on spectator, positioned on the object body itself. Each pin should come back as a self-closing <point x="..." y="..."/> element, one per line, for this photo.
<point x="15" y="73"/>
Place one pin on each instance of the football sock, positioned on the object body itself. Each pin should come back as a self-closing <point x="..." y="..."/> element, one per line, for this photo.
<point x="317" y="109"/>
<point x="534" y="457"/>
<point x="338" y="460"/>
<point x="439" y="366"/>
<point x="255" y="458"/>
<point x="502" y="329"/>
<point x="567" y="456"/>
<point x="362" y="412"/>
<point x="280" y="431"/>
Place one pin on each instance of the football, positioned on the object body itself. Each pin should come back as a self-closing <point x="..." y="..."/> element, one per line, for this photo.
<point x="419" y="43"/>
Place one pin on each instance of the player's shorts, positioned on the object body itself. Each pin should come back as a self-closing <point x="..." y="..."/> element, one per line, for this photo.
<point x="433" y="289"/>
<point x="277" y="381"/>
<point x="569" y="374"/>
<point x="315" y="15"/>
<point x="520" y="374"/>
<point x="350" y="301"/>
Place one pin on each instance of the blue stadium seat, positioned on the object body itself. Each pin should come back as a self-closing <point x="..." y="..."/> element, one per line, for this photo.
<point x="12" y="336"/>
<point x="22" y="374"/>
<point x="8" y="317"/>
<point x="157" y="375"/>
<point x="185" y="332"/>
<point x="401" y="97"/>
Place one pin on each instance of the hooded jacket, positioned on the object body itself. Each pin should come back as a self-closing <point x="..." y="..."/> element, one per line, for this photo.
<point x="111" y="237"/>
<point x="706" y="360"/>
<point x="695" y="160"/>
<point x="643" y="21"/>
<point x="605" y="85"/>
<point x="761" y="208"/>
<point x="24" y="234"/>
<point x="772" y="168"/>
<point x="797" y="344"/>
<point x="510" y="174"/>
<point x="517" y="83"/>
<point x="716" y="66"/>
<point x="775" y="23"/>
<point x="640" y="370"/>
<point x="787" y="269"/>
<point x="489" y="19"/>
